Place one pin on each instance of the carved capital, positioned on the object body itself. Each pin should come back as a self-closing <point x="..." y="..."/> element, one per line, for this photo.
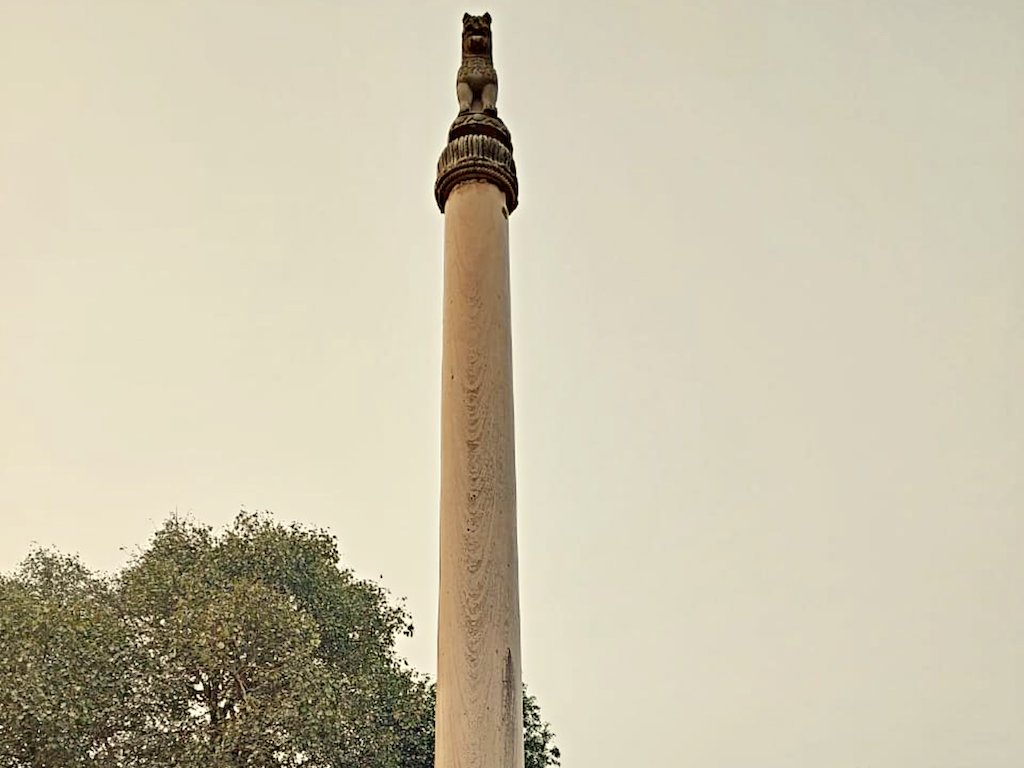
<point x="479" y="145"/>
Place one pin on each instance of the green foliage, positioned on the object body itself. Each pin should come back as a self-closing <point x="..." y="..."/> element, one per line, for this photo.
<point x="251" y="648"/>
<point x="539" y="740"/>
<point x="67" y="666"/>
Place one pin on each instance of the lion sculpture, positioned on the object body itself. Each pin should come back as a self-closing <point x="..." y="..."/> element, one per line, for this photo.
<point x="477" y="83"/>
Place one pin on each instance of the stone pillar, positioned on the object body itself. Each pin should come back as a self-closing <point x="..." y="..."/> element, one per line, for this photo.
<point x="479" y="680"/>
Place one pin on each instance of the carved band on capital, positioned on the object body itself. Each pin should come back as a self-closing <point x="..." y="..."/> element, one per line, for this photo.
<point x="479" y="157"/>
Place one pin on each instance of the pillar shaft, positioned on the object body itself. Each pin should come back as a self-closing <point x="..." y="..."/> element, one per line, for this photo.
<point x="479" y="696"/>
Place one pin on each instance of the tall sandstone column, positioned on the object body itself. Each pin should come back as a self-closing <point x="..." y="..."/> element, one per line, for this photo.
<point x="479" y="682"/>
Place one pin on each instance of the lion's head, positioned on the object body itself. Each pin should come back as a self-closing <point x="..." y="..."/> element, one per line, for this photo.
<point x="476" y="35"/>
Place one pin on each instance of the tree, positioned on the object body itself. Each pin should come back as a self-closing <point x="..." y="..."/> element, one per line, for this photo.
<point x="249" y="648"/>
<point x="68" y="667"/>
<point x="539" y="748"/>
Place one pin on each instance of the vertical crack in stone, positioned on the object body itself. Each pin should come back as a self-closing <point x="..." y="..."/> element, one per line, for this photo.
<point x="508" y="714"/>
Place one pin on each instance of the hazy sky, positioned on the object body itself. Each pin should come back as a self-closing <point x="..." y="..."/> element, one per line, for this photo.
<point x="768" y="298"/>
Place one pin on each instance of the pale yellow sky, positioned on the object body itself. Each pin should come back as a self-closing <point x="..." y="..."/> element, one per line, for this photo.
<point x="768" y="298"/>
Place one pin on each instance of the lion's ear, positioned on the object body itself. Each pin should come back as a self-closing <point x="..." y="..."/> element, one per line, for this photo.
<point x="466" y="17"/>
<point x="487" y="18"/>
